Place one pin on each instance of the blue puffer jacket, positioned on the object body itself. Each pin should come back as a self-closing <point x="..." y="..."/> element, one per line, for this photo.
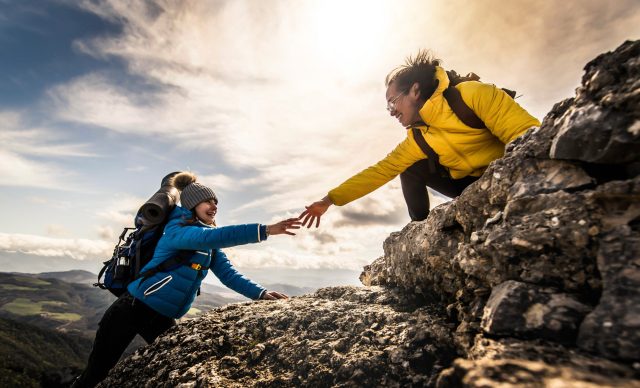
<point x="171" y="293"/>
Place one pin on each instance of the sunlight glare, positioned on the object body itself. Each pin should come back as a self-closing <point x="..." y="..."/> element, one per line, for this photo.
<point x="348" y="35"/>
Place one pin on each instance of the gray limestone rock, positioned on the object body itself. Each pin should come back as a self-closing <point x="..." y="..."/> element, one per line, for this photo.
<point x="516" y="363"/>
<point x="613" y="328"/>
<point x="339" y="336"/>
<point x="603" y="126"/>
<point x="524" y="310"/>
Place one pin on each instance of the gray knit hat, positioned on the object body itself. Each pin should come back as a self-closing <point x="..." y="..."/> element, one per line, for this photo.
<point x="192" y="192"/>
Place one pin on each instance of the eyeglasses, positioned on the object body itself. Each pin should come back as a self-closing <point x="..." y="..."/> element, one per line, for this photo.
<point x="391" y="104"/>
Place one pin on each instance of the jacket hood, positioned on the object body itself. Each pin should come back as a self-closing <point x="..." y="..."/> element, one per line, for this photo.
<point x="433" y="105"/>
<point x="180" y="212"/>
<point x="443" y="81"/>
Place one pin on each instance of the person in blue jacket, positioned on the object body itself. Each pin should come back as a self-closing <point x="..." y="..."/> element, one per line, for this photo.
<point x="152" y="303"/>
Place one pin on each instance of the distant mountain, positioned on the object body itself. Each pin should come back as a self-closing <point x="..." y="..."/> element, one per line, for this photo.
<point x="74" y="276"/>
<point x="52" y="304"/>
<point x="48" y="322"/>
<point x="64" y="308"/>
<point x="31" y="356"/>
<point x="66" y="301"/>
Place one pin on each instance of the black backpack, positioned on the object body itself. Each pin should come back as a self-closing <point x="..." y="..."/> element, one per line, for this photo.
<point x="460" y="109"/>
<point x="136" y="245"/>
<point x="454" y="99"/>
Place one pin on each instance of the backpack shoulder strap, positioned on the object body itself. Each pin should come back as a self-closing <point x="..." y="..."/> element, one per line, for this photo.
<point x="426" y="148"/>
<point x="139" y="237"/>
<point x="464" y="113"/>
<point x="181" y="258"/>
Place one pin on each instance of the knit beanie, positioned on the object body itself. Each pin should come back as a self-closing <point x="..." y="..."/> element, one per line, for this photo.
<point x="192" y="192"/>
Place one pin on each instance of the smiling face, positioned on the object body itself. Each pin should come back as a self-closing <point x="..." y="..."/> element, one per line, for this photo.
<point x="404" y="105"/>
<point x="206" y="211"/>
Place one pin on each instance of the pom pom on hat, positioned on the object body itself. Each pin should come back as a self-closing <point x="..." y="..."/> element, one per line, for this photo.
<point x="183" y="179"/>
<point x="192" y="192"/>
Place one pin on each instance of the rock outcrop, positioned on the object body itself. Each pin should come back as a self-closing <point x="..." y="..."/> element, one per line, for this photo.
<point x="337" y="336"/>
<point x="530" y="277"/>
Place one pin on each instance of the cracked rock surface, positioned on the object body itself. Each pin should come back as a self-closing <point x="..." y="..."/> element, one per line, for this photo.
<point x="342" y="336"/>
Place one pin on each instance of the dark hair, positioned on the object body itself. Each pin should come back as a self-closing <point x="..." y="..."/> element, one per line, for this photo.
<point x="420" y="69"/>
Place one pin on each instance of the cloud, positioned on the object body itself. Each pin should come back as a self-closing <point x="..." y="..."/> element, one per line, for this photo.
<point x="30" y="142"/>
<point x="106" y="233"/>
<point x="78" y="249"/>
<point x="137" y="169"/>
<point x="292" y="94"/>
<point x="39" y="200"/>
<point x="28" y="155"/>
<point x="325" y="237"/>
<point x="545" y="47"/>
<point x="249" y="103"/>
<point x="276" y="258"/>
<point x="55" y="230"/>
<point x="19" y="171"/>
<point x="120" y="209"/>
<point x="364" y="218"/>
<point x="224" y="182"/>
<point x="385" y="207"/>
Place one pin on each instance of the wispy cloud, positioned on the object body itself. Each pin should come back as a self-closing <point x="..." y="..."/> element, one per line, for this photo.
<point x="79" y="249"/>
<point x="248" y="102"/>
<point x="270" y="257"/>
<point x="294" y="90"/>
<point x="120" y="209"/>
<point x="45" y="201"/>
<point x="225" y="182"/>
<point x="22" y="149"/>
<point x="55" y="230"/>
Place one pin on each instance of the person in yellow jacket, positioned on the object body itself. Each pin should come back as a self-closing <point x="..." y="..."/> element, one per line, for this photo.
<point x="415" y="97"/>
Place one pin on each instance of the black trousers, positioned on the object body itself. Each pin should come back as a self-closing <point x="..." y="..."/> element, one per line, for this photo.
<point x="125" y="318"/>
<point x="415" y="179"/>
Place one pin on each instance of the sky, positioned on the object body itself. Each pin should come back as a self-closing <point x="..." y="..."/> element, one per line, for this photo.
<point x="271" y="103"/>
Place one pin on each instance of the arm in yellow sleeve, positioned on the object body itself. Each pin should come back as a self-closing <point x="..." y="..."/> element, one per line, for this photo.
<point x="403" y="156"/>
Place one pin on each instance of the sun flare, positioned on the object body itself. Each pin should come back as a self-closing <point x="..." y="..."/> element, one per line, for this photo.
<point x="347" y="34"/>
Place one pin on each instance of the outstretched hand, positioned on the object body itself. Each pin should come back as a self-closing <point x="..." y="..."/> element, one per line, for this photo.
<point x="314" y="211"/>
<point x="273" y="295"/>
<point x="283" y="227"/>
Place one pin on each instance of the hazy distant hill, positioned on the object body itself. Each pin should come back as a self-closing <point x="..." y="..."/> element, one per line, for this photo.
<point x="74" y="276"/>
<point x="57" y="313"/>
<point x="31" y="356"/>
<point x="227" y="295"/>
<point x="48" y="321"/>
<point x="52" y="303"/>
<point x="66" y="301"/>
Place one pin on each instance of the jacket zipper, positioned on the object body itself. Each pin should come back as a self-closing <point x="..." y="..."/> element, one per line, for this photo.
<point x="157" y="285"/>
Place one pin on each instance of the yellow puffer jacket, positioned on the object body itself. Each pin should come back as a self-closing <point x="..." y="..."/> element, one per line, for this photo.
<point x="462" y="149"/>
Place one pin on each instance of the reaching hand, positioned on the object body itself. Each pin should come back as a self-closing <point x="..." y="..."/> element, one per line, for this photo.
<point x="314" y="212"/>
<point x="283" y="227"/>
<point x="273" y="295"/>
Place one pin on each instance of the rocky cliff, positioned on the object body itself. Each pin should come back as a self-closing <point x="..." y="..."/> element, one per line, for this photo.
<point x="530" y="277"/>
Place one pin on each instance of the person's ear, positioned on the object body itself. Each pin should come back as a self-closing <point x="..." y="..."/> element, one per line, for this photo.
<point x="415" y="90"/>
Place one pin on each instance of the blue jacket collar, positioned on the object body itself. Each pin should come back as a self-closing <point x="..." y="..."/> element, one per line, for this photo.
<point x="184" y="214"/>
